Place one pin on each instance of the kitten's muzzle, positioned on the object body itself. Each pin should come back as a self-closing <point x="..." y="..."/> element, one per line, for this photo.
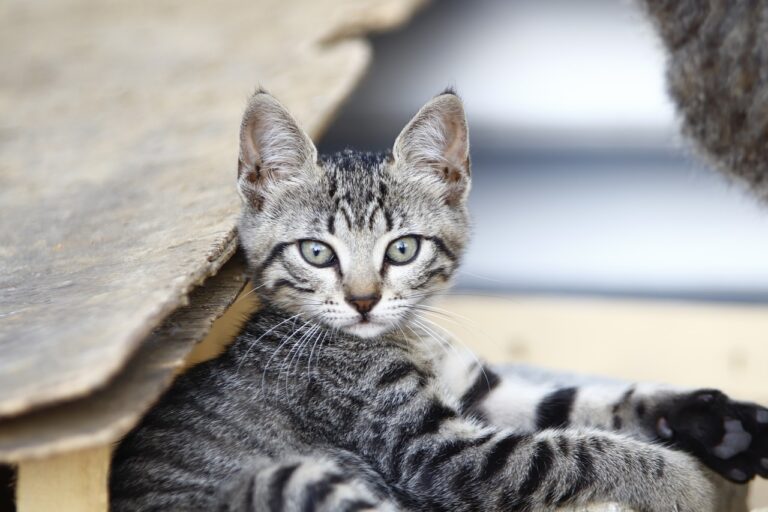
<point x="363" y="303"/>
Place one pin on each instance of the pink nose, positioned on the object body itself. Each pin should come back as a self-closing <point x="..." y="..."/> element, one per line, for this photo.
<point x="364" y="304"/>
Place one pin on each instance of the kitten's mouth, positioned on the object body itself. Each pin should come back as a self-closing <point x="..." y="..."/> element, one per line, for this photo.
<point x="366" y="328"/>
<point x="365" y="321"/>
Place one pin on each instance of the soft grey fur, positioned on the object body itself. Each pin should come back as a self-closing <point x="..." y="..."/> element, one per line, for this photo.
<point x="718" y="77"/>
<point x="339" y="395"/>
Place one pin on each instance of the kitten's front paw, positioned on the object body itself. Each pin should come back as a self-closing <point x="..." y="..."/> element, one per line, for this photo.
<point x="728" y="436"/>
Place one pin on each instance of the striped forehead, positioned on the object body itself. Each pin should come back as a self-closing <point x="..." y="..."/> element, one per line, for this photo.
<point x="358" y="187"/>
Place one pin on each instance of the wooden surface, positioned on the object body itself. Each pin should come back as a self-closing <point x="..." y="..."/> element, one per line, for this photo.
<point x="75" y="482"/>
<point x="118" y="146"/>
<point x="104" y="416"/>
<point x="688" y="344"/>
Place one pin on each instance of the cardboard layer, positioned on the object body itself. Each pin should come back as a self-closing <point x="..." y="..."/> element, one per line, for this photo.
<point x="105" y="415"/>
<point x="118" y="151"/>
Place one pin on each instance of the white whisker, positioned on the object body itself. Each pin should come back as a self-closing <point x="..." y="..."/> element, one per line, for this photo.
<point x="250" y="346"/>
<point x="298" y="347"/>
<point x="312" y="351"/>
<point x="282" y="344"/>
<point x="440" y="343"/>
<point x="301" y="345"/>
<point x="466" y="348"/>
<point x="249" y="292"/>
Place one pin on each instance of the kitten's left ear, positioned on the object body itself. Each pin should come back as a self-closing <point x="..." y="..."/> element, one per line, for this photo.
<point x="436" y="141"/>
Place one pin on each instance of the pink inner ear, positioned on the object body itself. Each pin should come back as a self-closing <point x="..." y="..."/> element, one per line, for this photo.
<point x="270" y="137"/>
<point x="248" y="152"/>
<point x="437" y="134"/>
<point x="436" y="140"/>
<point x="456" y="149"/>
<point x="273" y="149"/>
<point x="455" y="178"/>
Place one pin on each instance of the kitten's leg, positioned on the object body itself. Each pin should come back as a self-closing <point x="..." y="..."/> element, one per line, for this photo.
<point x="728" y="436"/>
<point x="319" y="483"/>
<point x="447" y="462"/>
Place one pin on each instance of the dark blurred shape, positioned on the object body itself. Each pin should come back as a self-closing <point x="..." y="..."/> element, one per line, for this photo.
<point x="717" y="76"/>
<point x="7" y="479"/>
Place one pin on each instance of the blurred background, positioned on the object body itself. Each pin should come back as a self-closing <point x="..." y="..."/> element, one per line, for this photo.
<point x="581" y="184"/>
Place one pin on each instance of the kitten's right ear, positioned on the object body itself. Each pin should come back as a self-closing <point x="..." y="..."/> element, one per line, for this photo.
<point x="273" y="149"/>
<point x="435" y="145"/>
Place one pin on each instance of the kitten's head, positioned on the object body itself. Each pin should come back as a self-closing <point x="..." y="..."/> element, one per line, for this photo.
<point x="353" y="240"/>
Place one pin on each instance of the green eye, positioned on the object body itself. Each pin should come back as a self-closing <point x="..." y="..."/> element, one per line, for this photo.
<point x="317" y="253"/>
<point x="403" y="250"/>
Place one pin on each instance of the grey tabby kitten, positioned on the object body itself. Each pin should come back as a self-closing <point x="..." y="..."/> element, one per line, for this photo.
<point x="335" y="398"/>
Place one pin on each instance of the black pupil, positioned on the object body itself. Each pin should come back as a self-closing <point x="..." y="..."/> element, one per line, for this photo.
<point x="401" y="246"/>
<point x="316" y="250"/>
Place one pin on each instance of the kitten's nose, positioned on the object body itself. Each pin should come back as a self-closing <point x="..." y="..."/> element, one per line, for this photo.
<point x="363" y="303"/>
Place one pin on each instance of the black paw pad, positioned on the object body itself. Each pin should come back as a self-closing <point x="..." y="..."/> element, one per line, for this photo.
<point x="730" y="437"/>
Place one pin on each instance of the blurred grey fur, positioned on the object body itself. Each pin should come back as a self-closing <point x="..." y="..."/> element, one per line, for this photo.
<point x="718" y="78"/>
